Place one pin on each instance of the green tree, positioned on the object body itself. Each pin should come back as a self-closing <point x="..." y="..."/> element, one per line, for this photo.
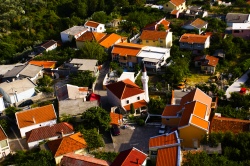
<point x="10" y="112"/>
<point x="100" y="17"/>
<point x="45" y="81"/>
<point x="132" y="108"/>
<point x="82" y="79"/>
<point x="5" y="124"/>
<point x="96" y="117"/>
<point x="161" y="28"/>
<point x="156" y="105"/>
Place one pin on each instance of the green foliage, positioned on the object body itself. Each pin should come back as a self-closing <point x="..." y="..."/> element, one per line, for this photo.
<point x="96" y="117"/>
<point x="46" y="89"/>
<point x="161" y="28"/>
<point x="45" y="81"/>
<point x="10" y="112"/>
<point x="140" y="121"/>
<point x="232" y="112"/>
<point x="67" y="118"/>
<point x="5" y="124"/>
<point x="132" y="108"/>
<point x="100" y="17"/>
<point x="156" y="105"/>
<point x="40" y="104"/>
<point x="138" y="81"/>
<point x="31" y="157"/>
<point x="107" y="156"/>
<point x="92" y="137"/>
<point x="82" y="79"/>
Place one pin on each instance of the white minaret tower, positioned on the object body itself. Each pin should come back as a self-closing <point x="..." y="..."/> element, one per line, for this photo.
<point x="144" y="80"/>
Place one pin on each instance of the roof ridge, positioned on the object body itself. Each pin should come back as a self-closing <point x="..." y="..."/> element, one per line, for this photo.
<point x="31" y="109"/>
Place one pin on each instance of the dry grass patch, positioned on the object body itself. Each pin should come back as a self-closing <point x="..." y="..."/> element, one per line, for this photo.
<point x="197" y="78"/>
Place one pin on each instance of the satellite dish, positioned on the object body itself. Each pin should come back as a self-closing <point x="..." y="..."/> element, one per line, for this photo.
<point x="56" y="75"/>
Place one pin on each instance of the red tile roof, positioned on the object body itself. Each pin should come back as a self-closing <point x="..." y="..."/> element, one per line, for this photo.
<point x="167" y="156"/>
<point x="223" y="124"/>
<point x="153" y="35"/>
<point x="212" y="61"/>
<point x="174" y="12"/>
<point x="45" y="64"/>
<point x="165" y="139"/>
<point x="47" y="132"/>
<point x="198" y="23"/>
<point x="124" y="89"/>
<point x="91" y="36"/>
<point x="193" y="38"/>
<point x="130" y="157"/>
<point x="72" y="159"/>
<point x="115" y="118"/>
<point x="39" y="114"/>
<point x="92" y="24"/>
<point x="137" y="104"/>
<point x="177" y="2"/>
<point x="154" y="25"/>
<point x="110" y="40"/>
<point x="124" y="49"/>
<point x="67" y="144"/>
<point x="3" y="135"/>
<point x="171" y="110"/>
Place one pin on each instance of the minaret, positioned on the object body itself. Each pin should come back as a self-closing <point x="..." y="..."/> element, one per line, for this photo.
<point x="144" y="80"/>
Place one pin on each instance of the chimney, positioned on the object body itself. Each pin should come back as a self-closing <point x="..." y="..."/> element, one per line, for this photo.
<point x="33" y="118"/>
<point x="137" y="161"/>
<point x="62" y="132"/>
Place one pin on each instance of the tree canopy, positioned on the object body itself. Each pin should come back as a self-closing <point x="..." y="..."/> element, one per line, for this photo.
<point x="82" y="79"/>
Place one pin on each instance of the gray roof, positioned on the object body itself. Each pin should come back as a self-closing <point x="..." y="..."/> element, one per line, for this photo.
<point x="31" y="70"/>
<point x="75" y="30"/>
<point x="14" y="71"/>
<point x="236" y="17"/>
<point x="5" y="68"/>
<point x="86" y="64"/>
<point x="17" y="85"/>
<point x="75" y="107"/>
<point x="68" y="91"/>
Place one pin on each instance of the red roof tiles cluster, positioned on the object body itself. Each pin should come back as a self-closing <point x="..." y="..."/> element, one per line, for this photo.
<point x="91" y="36"/>
<point x="177" y="2"/>
<point x="124" y="49"/>
<point x="207" y="60"/>
<point x="154" y="25"/>
<point x="3" y="135"/>
<point x="153" y="35"/>
<point x="130" y="157"/>
<point x="92" y="24"/>
<point x="124" y="89"/>
<point x="193" y="38"/>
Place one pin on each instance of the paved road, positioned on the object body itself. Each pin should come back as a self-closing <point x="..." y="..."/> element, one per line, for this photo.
<point x="235" y="87"/>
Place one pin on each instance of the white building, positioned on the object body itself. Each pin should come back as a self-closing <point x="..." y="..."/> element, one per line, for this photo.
<point x="17" y="91"/>
<point x="95" y="26"/>
<point x="153" y="57"/>
<point x="72" y="33"/>
<point x="4" y="143"/>
<point x="35" y="118"/>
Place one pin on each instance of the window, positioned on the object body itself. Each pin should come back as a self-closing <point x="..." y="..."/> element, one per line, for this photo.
<point x="100" y="28"/>
<point x="3" y="143"/>
<point x="127" y="101"/>
<point x="167" y="5"/>
<point x="236" y="31"/>
<point x="146" y="41"/>
<point x="167" y="119"/>
<point x="153" y="152"/>
<point x="161" y="41"/>
<point x="138" y="98"/>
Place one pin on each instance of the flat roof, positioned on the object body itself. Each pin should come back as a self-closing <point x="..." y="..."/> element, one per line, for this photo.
<point x="86" y="64"/>
<point x="153" y="52"/>
<point x="75" y="30"/>
<point x="5" y="68"/>
<point x="150" y="60"/>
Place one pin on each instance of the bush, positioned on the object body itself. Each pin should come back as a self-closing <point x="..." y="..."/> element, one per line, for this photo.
<point x="132" y="109"/>
<point x="5" y="124"/>
<point x="140" y="122"/>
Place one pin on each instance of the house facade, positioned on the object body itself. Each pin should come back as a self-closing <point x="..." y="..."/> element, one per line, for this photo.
<point x="72" y="33"/>
<point x="52" y="132"/>
<point x="49" y="45"/>
<point x="35" y="118"/>
<point x="206" y="63"/>
<point x="179" y="5"/>
<point x="110" y="40"/>
<point x="194" y="42"/>
<point x="125" y="53"/>
<point x="89" y="36"/>
<point x="156" y="38"/>
<point x="190" y="117"/>
<point x="2" y="105"/>
<point x="4" y="143"/>
<point x="95" y="26"/>
<point x="124" y="93"/>
<point x="74" y="143"/>
<point x="237" y="18"/>
<point x="153" y="57"/>
<point x="31" y="71"/>
<point x="165" y="149"/>
<point x="241" y="30"/>
<point x="198" y="25"/>
<point x="17" y="91"/>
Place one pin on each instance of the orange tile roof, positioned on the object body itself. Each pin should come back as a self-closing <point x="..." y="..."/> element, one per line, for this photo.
<point x="171" y="110"/>
<point x="153" y="35"/>
<point x="83" y="89"/>
<point x="3" y="135"/>
<point x="199" y="122"/>
<point x="40" y="115"/>
<point x="164" y="139"/>
<point x="45" y="64"/>
<point x="174" y="12"/>
<point x="92" y="24"/>
<point x="177" y="2"/>
<point x="198" y="23"/>
<point x="115" y="118"/>
<point x="137" y="104"/>
<point x="110" y="40"/>
<point x="71" y="159"/>
<point x="124" y="49"/>
<point x="167" y="156"/>
<point x="223" y="124"/>
<point x="91" y="36"/>
<point x="130" y="157"/>
<point x="193" y="38"/>
<point x="200" y="109"/>
<point x="124" y="89"/>
<point x="67" y="144"/>
<point x="154" y="25"/>
<point x="212" y="61"/>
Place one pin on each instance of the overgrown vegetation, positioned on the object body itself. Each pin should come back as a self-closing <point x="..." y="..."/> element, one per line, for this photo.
<point x="108" y="156"/>
<point x="82" y="79"/>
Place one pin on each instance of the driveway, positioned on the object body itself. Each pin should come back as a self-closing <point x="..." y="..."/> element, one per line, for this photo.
<point x="134" y="136"/>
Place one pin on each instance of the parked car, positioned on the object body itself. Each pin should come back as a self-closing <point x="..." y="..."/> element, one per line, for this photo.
<point x="26" y="103"/>
<point x="115" y="130"/>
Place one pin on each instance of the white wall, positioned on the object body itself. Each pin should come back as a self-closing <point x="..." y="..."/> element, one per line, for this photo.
<point x="52" y="47"/>
<point x="207" y="43"/>
<point x="133" y="99"/>
<point x="22" y="96"/>
<point x="2" y="107"/>
<point x="64" y="37"/>
<point x="5" y="150"/>
<point x="35" y="126"/>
